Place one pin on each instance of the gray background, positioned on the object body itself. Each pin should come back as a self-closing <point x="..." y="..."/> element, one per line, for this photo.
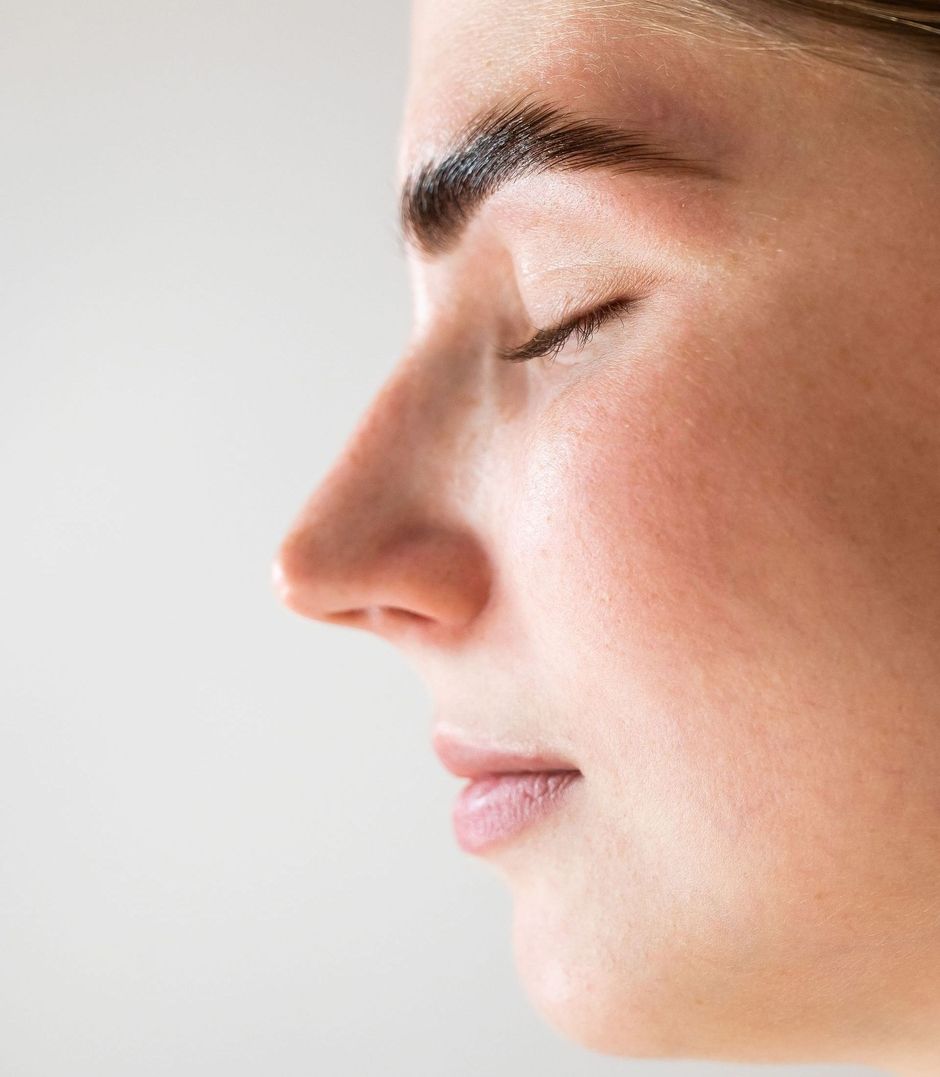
<point x="226" y="843"/>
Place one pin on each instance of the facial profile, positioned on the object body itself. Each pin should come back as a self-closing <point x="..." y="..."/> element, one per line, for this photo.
<point x="651" y="502"/>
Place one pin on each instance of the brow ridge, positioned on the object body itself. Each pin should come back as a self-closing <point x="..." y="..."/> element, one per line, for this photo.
<point x="523" y="137"/>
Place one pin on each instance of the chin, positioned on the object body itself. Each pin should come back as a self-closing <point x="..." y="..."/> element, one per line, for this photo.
<point x="603" y="1004"/>
<point x="587" y="965"/>
<point x="616" y="990"/>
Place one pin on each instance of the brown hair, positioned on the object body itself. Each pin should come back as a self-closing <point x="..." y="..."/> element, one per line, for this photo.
<point x="899" y="39"/>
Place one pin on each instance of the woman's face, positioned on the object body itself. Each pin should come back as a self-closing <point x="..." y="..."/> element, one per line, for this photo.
<point x="698" y="556"/>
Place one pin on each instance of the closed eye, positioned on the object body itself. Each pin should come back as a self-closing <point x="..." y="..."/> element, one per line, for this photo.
<point x="551" y="341"/>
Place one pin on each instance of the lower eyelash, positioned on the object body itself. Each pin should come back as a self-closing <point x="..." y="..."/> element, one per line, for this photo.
<point x="551" y="341"/>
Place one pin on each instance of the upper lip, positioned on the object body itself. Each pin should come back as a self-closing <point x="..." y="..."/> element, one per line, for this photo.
<point x="469" y="760"/>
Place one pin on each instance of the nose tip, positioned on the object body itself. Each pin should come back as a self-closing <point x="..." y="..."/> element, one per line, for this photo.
<point x="386" y="541"/>
<point x="433" y="575"/>
<point x="280" y="581"/>
<point x="294" y="576"/>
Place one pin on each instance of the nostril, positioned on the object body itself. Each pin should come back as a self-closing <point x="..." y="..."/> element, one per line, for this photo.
<point x="377" y="617"/>
<point x="388" y="621"/>
<point x="353" y="618"/>
<point x="397" y="613"/>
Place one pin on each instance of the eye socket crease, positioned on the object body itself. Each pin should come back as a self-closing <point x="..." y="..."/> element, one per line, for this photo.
<point x="550" y="341"/>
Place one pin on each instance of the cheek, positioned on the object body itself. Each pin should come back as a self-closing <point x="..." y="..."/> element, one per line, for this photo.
<point x="714" y="557"/>
<point x="736" y="543"/>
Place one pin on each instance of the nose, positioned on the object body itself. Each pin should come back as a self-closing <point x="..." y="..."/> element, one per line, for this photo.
<point x="385" y="542"/>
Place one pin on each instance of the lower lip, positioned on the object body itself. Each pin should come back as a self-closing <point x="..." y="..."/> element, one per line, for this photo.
<point x="489" y="810"/>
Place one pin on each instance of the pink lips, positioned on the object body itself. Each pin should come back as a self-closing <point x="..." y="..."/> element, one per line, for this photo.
<point x="508" y="791"/>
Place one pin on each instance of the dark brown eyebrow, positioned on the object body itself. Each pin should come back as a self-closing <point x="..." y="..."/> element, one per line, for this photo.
<point x="524" y="137"/>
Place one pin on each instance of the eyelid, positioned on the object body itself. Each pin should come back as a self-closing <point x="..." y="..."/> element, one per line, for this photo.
<point x="553" y="338"/>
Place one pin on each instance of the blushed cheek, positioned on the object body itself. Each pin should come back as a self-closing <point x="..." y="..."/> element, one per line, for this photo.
<point x="639" y="518"/>
<point x="629" y="549"/>
<point x="688" y="547"/>
<point x="689" y="589"/>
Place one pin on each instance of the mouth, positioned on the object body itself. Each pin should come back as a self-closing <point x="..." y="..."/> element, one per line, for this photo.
<point x="508" y="791"/>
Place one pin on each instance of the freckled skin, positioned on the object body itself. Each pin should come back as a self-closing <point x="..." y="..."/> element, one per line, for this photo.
<point x="702" y="557"/>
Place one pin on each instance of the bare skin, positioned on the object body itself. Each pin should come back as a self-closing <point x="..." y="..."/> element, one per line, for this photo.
<point x="699" y="555"/>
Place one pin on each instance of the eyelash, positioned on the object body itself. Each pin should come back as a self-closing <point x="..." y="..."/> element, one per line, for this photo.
<point x="551" y="341"/>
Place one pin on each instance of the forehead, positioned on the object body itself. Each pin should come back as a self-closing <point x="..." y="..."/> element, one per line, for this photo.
<point x="610" y="60"/>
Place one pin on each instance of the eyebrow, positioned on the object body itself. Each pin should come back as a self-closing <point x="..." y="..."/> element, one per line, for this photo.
<point x="518" y="139"/>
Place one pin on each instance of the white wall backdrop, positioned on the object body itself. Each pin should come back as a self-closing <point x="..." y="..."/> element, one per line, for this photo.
<point x="226" y="843"/>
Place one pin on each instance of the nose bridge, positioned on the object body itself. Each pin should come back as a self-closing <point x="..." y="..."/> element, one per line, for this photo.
<point x="404" y="456"/>
<point x="390" y="527"/>
<point x="410" y="427"/>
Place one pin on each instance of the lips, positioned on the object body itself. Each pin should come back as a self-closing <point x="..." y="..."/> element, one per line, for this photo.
<point x="468" y="760"/>
<point x="508" y="792"/>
